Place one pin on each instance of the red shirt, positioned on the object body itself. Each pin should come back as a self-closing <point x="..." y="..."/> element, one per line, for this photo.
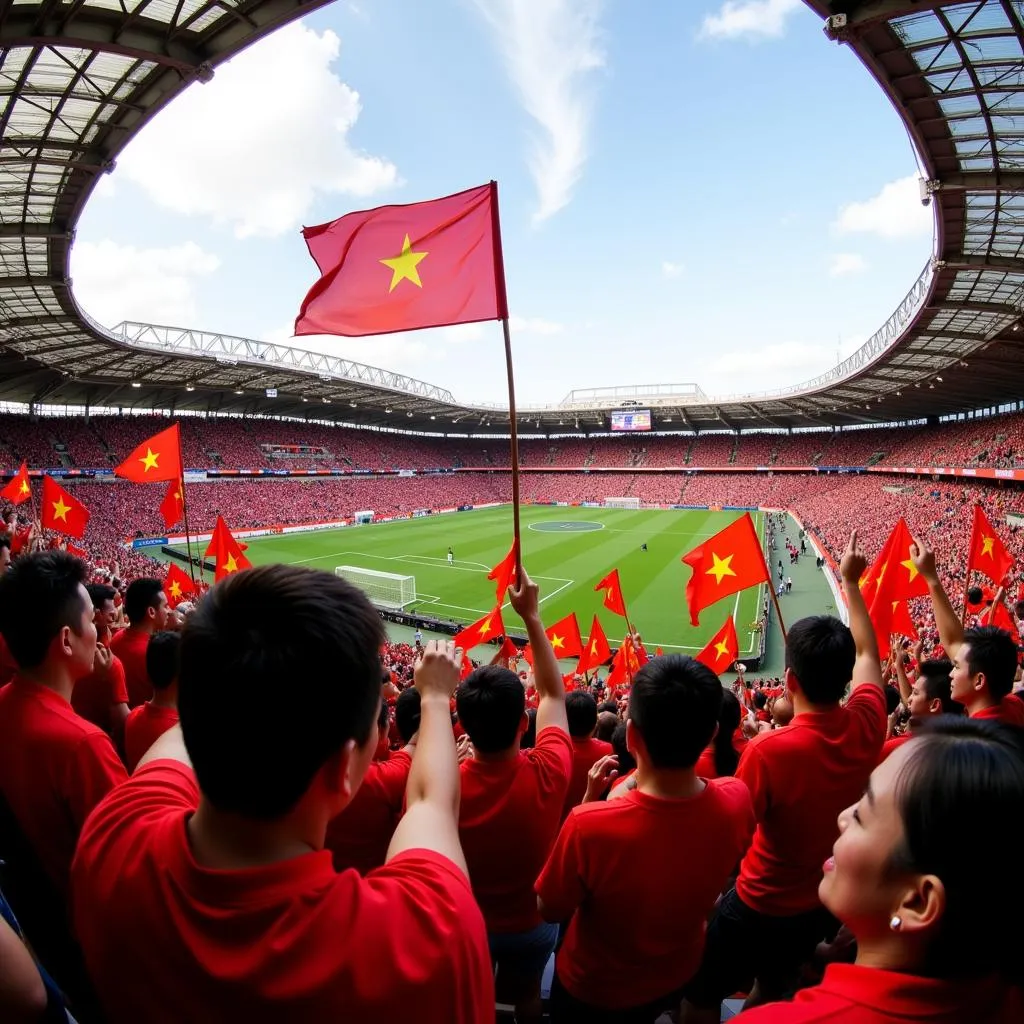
<point x="706" y="763"/>
<point x="130" y="646"/>
<point x="143" y="727"/>
<point x="359" y="837"/>
<point x="1010" y="711"/>
<point x="93" y="696"/>
<point x="167" y="940"/>
<point x="596" y="873"/>
<point x="8" y="666"/>
<point x="864" y="995"/>
<point x="800" y="778"/>
<point x="891" y="744"/>
<point x="508" y="820"/>
<point x="54" y="768"/>
<point x="585" y="754"/>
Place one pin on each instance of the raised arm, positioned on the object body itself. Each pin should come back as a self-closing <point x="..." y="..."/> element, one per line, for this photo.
<point x="431" y="820"/>
<point x="547" y="673"/>
<point x="951" y="629"/>
<point x="867" y="669"/>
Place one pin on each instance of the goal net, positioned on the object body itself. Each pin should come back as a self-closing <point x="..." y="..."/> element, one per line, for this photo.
<point x="621" y="502"/>
<point x="384" y="589"/>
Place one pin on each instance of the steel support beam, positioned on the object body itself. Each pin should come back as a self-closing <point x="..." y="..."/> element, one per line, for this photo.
<point x="1011" y="264"/>
<point x="977" y="181"/>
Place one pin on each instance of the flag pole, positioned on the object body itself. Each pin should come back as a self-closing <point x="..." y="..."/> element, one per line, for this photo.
<point x="184" y="514"/>
<point x="768" y="573"/>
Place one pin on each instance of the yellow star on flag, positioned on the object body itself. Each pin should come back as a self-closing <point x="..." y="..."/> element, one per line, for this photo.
<point x="485" y="627"/>
<point x="175" y="590"/>
<point x="23" y="489"/>
<point x="557" y="641"/>
<point x="231" y="565"/>
<point x="721" y="567"/>
<point x="986" y="546"/>
<point x="403" y="266"/>
<point x="722" y="649"/>
<point x="60" y="510"/>
<point x="149" y="460"/>
<point x="593" y="648"/>
<point x="911" y="568"/>
<point x="881" y="576"/>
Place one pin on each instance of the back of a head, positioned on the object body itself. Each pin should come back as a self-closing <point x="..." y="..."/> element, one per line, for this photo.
<point x="581" y="711"/>
<point x="674" y="705"/>
<point x="529" y="738"/>
<point x="821" y="653"/>
<point x="162" y="658"/>
<point x="959" y="796"/>
<point x="279" y="669"/>
<point x="936" y="678"/>
<point x="892" y="699"/>
<point x="726" y="758"/>
<point x="618" y="741"/>
<point x="407" y="713"/>
<point x="100" y="594"/>
<point x="490" y="703"/>
<point x="140" y="596"/>
<point x="606" y="724"/>
<point x="991" y="650"/>
<point x="39" y="595"/>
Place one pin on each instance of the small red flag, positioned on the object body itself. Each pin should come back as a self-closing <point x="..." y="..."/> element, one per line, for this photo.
<point x="504" y="573"/>
<point x="508" y="651"/>
<point x="722" y="649"/>
<point x="17" y="489"/>
<point x="729" y="562"/>
<point x="226" y="552"/>
<point x="61" y="511"/>
<point x="565" y="639"/>
<point x="487" y="628"/>
<point x="154" y="460"/>
<point x="177" y="586"/>
<point x="400" y="268"/>
<point x="613" y="593"/>
<point x="172" y="508"/>
<point x="73" y="549"/>
<point x="626" y="663"/>
<point x="596" y="652"/>
<point x="988" y="554"/>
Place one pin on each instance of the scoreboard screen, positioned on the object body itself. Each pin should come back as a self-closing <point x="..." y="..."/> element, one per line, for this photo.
<point x="631" y="419"/>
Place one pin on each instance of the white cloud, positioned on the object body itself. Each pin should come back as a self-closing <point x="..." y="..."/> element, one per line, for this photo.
<point x="895" y="212"/>
<point x="748" y="18"/>
<point x="121" y="282"/>
<point x="534" y="325"/>
<point x="550" y="50"/>
<point x="252" y="147"/>
<point x="843" y="264"/>
<point x="671" y="270"/>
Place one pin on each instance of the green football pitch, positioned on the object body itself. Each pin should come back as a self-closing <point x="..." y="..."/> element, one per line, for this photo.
<point x="566" y="551"/>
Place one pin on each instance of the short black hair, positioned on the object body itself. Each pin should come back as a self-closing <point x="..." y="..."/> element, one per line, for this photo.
<point x="936" y="679"/>
<point x="5" y="540"/>
<point x="255" y="745"/>
<point x="39" y="596"/>
<point x="99" y="594"/>
<point x="892" y="699"/>
<point x="606" y="723"/>
<point x="674" y="705"/>
<point x="618" y="741"/>
<point x="162" y="658"/>
<point x="490" y="702"/>
<point x="407" y="713"/>
<point x="581" y="711"/>
<point x="975" y="595"/>
<point x="608" y="705"/>
<point x="821" y="653"/>
<point x="140" y="596"/>
<point x="382" y="717"/>
<point x="529" y="738"/>
<point x="960" y="791"/>
<point x="993" y="652"/>
<point x="726" y="758"/>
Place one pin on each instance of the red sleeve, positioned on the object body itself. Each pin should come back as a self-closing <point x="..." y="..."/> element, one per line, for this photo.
<point x="552" y="758"/>
<point x="867" y="706"/>
<point x="92" y="773"/>
<point x="392" y="776"/>
<point x="752" y="771"/>
<point x="118" y="686"/>
<point x="560" y="885"/>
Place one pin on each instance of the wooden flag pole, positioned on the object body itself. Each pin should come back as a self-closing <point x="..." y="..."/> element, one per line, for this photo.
<point x="184" y="515"/>
<point x="771" y="586"/>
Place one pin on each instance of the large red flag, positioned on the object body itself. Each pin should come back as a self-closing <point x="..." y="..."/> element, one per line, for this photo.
<point x="988" y="554"/>
<point x="565" y="639"/>
<point x="730" y="561"/>
<point x="400" y="268"/>
<point x="487" y="628"/>
<point x="612" y="588"/>
<point x="17" y="489"/>
<point x="177" y="586"/>
<point x="887" y="585"/>
<point x="61" y="511"/>
<point x="722" y="649"/>
<point x="504" y="574"/>
<point x="154" y="460"/>
<point x="172" y="508"/>
<point x="226" y="552"/>
<point x="596" y="652"/>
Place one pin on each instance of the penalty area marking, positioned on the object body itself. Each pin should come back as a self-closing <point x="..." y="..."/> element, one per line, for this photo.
<point x="566" y="526"/>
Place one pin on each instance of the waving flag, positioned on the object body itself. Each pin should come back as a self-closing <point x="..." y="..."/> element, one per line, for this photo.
<point x="504" y="575"/>
<point x="612" y="588"/>
<point x="177" y="586"/>
<point x="226" y="552"/>
<point x="596" y="652"/>
<point x="722" y="649"/>
<point x="61" y="511"/>
<point x="17" y="489"/>
<point x="155" y="460"/>
<point x="988" y="554"/>
<point x="172" y="508"/>
<point x="487" y="628"/>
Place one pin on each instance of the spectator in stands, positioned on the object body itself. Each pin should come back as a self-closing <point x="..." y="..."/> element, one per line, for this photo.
<point x="511" y="805"/>
<point x="604" y="849"/>
<point x="984" y="658"/>
<point x="800" y="778"/>
<point x="54" y="765"/>
<point x="149" y="721"/>
<point x="228" y="858"/>
<point x="930" y="695"/>
<point x="720" y="757"/>
<point x="5" y="552"/>
<point x="933" y="945"/>
<point x="581" y="711"/>
<point x="145" y="604"/>
<point x="102" y="696"/>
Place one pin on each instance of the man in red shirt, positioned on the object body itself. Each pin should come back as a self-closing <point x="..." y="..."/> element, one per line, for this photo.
<point x="202" y="889"/>
<point x="102" y="696"/>
<point x="511" y="805"/>
<point x="145" y="604"/>
<point x="931" y="694"/>
<point x="682" y="833"/>
<point x="581" y="712"/>
<point x="149" y="721"/>
<point x="800" y="778"/>
<point x="984" y="658"/>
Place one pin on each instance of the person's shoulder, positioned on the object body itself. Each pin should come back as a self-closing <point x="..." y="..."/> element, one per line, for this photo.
<point x="729" y="790"/>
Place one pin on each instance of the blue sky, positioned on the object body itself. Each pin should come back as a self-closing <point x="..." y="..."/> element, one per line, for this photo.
<point x="691" y="192"/>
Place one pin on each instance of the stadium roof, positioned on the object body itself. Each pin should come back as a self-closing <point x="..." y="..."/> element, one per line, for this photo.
<point x="78" y="78"/>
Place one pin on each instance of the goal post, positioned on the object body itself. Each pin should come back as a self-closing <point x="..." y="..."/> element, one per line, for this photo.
<point x="621" y="502"/>
<point x="385" y="589"/>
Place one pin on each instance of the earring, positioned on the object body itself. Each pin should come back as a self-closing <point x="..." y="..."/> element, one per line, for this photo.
<point x="896" y="923"/>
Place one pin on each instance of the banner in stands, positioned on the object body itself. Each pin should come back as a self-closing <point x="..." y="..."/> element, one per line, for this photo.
<point x="149" y="542"/>
<point x="978" y="472"/>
